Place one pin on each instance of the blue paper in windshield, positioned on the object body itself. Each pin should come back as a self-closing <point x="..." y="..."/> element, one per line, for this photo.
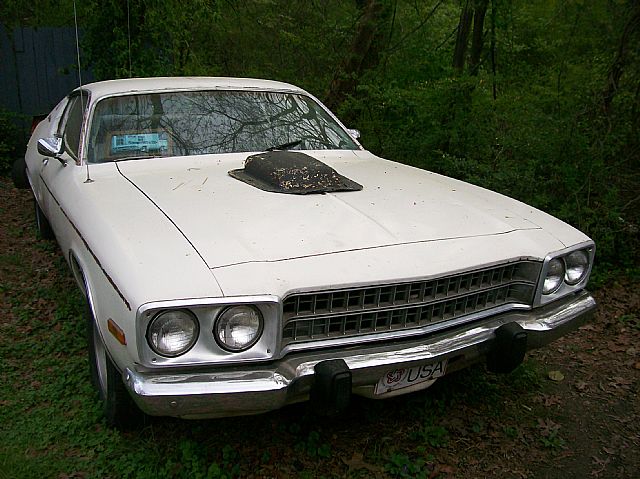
<point x="139" y="142"/>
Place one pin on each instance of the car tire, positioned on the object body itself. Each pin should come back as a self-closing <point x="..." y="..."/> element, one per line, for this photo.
<point x="43" y="227"/>
<point x="118" y="407"/>
<point x="19" y="174"/>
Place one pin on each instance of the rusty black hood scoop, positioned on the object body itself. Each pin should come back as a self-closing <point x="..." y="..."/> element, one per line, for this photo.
<point x="293" y="173"/>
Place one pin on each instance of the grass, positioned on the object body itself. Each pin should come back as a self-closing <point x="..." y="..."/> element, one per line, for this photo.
<point x="631" y="320"/>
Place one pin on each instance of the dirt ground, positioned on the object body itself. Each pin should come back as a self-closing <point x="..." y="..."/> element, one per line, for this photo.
<point x="571" y="411"/>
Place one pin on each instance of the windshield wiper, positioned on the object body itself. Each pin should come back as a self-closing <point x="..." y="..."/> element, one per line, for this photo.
<point x="284" y="146"/>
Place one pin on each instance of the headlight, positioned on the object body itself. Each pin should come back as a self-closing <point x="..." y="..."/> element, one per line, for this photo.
<point x="173" y="332"/>
<point x="238" y="327"/>
<point x="577" y="266"/>
<point x="555" y="276"/>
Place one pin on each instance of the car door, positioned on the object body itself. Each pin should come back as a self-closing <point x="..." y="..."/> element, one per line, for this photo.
<point x="58" y="174"/>
<point x="47" y="128"/>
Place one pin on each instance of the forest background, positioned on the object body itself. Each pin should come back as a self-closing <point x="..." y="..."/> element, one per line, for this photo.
<point x="539" y="100"/>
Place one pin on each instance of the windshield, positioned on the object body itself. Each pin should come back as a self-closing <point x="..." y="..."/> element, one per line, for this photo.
<point x="202" y="122"/>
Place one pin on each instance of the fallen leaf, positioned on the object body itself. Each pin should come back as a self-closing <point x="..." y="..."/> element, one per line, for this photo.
<point x="556" y="376"/>
<point x="618" y="381"/>
<point x="587" y="327"/>
<point x="581" y="385"/>
<point x="550" y="400"/>
<point x="615" y="347"/>
<point x="442" y="469"/>
<point x="357" y="462"/>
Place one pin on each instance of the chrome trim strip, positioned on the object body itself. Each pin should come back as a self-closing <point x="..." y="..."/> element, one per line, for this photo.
<point x="189" y="302"/>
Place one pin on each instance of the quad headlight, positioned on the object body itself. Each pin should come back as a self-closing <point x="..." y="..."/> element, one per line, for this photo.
<point x="570" y="269"/>
<point x="555" y="276"/>
<point x="173" y="332"/>
<point x="238" y="327"/>
<point x="577" y="264"/>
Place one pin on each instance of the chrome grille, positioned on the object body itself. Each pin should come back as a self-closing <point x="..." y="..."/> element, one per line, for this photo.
<point x="352" y="312"/>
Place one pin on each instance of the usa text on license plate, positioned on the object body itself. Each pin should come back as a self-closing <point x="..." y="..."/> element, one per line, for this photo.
<point x="406" y="377"/>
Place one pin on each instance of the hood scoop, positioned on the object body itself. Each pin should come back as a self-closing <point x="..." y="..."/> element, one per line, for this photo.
<point x="293" y="173"/>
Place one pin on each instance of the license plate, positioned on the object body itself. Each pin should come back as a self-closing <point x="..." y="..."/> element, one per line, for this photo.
<point x="406" y="377"/>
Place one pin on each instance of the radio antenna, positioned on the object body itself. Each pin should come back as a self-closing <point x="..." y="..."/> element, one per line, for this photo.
<point x="75" y="21"/>
<point x="82" y="105"/>
<point x="129" y="36"/>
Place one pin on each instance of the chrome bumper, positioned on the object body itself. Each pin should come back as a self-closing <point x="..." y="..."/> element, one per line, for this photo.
<point x="258" y="388"/>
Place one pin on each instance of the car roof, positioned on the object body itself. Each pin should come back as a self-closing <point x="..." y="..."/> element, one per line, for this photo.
<point x="157" y="84"/>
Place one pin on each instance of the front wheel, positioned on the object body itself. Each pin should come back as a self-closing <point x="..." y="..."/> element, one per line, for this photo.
<point x="118" y="408"/>
<point x="43" y="227"/>
<point x="19" y="174"/>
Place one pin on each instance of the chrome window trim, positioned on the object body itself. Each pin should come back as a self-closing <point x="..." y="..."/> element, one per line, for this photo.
<point x="236" y="88"/>
<point x="86" y="128"/>
<point x="62" y="124"/>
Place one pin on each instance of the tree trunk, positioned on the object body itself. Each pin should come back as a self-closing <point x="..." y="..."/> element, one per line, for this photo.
<point x="364" y="53"/>
<point x="625" y="46"/>
<point x="493" y="49"/>
<point x="477" y="39"/>
<point x="462" y="37"/>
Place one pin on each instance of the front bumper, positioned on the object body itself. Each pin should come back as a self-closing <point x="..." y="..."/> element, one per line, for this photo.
<point x="258" y="388"/>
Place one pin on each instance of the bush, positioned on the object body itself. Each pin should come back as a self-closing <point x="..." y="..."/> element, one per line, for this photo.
<point x="10" y="140"/>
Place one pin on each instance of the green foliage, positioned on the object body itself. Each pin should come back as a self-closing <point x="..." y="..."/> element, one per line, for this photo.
<point x="552" y="440"/>
<point x="9" y="140"/>
<point x="313" y="446"/>
<point x="526" y="377"/>
<point x="401" y="465"/>
<point x="297" y="41"/>
<point x="432" y="435"/>
<point x="15" y="13"/>
<point x="630" y="320"/>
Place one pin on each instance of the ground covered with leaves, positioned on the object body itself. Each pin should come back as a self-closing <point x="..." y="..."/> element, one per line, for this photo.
<point x="571" y="410"/>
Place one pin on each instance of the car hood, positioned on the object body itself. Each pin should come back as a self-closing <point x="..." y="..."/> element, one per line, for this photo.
<point x="230" y="222"/>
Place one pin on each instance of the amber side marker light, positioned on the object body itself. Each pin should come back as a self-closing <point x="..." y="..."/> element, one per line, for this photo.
<point x="117" y="332"/>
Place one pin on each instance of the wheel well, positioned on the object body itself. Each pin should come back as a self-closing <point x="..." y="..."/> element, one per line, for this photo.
<point x="81" y="281"/>
<point x="78" y="274"/>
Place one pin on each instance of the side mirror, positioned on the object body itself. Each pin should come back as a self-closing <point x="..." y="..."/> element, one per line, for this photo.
<point x="51" y="147"/>
<point x="355" y="134"/>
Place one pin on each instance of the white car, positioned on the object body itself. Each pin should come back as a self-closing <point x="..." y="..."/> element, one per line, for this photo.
<point x="240" y="251"/>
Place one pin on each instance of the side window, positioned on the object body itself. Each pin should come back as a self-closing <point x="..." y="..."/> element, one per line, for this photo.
<point x="72" y="124"/>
